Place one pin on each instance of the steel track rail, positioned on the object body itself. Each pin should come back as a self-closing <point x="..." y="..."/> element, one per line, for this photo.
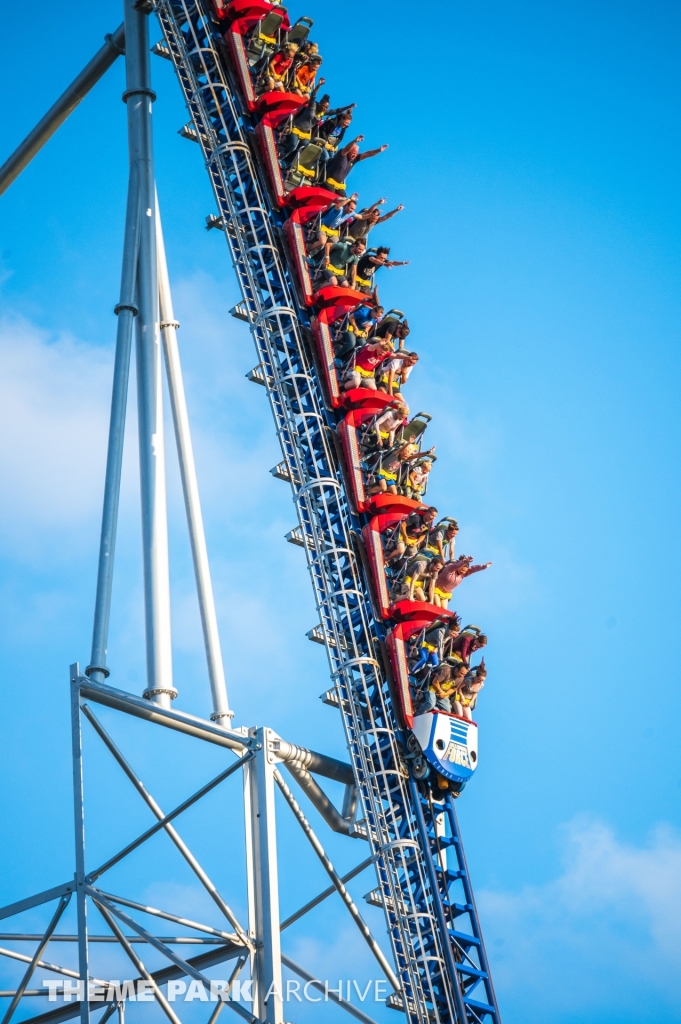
<point x="414" y="888"/>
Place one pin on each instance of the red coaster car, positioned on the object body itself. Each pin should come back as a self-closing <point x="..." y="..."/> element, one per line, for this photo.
<point x="307" y="202"/>
<point x="332" y="303"/>
<point x="372" y="534"/>
<point x="274" y="107"/>
<point x="397" y="642"/>
<point x="240" y="17"/>
<point x="348" y="430"/>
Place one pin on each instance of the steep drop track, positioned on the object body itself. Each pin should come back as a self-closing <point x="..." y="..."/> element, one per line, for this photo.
<point x="430" y="910"/>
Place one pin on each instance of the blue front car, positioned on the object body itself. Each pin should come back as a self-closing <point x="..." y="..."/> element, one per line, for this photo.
<point x="449" y="744"/>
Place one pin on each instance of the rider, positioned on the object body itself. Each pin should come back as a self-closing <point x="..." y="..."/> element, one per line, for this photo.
<point x="395" y="372"/>
<point x="418" y="478"/>
<point x="370" y="217"/>
<point x="366" y="361"/>
<point x="389" y="422"/>
<point x="412" y="533"/>
<point x="445" y="683"/>
<point x="330" y="224"/>
<point x="442" y="539"/>
<point x="431" y="643"/>
<point x="466" y="697"/>
<point x="419" y="583"/>
<point x="340" y="266"/>
<point x="274" y="78"/>
<point x="301" y="127"/>
<point x="461" y="647"/>
<point x="356" y="330"/>
<point x="451" y="576"/>
<point x="345" y="159"/>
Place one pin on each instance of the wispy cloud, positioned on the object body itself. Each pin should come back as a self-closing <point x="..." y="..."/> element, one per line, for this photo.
<point x="54" y="398"/>
<point x="600" y="943"/>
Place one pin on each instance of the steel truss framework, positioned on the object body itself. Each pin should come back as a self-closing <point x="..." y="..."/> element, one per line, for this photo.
<point x="440" y="970"/>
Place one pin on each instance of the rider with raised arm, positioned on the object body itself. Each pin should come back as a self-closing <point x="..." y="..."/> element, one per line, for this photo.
<point x="452" y="575"/>
<point x="301" y="127"/>
<point x="345" y="159"/>
<point x="368" y="218"/>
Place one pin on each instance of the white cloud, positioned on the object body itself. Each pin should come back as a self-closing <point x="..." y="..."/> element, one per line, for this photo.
<point x="54" y="399"/>
<point x="601" y="942"/>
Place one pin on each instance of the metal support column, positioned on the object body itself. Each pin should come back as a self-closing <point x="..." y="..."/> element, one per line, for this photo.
<point x="190" y="487"/>
<point x="263" y="885"/>
<point x="126" y="311"/>
<point x="79" y="825"/>
<point x="68" y="101"/>
<point x="139" y="97"/>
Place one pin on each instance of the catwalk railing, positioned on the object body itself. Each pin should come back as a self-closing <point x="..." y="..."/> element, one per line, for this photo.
<point x="436" y="941"/>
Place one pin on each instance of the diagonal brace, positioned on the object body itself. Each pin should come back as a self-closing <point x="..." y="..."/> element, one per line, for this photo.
<point x="35" y="901"/>
<point x="162" y="822"/>
<point x="186" y="921"/>
<point x="133" y="957"/>
<point x="35" y="960"/>
<point x="323" y="895"/>
<point x="364" y="929"/>
<point x="59" y="111"/>
<point x="328" y="993"/>
<point x="209" y="886"/>
<point x="104" y="905"/>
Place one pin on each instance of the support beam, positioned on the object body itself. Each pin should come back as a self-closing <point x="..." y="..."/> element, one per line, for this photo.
<point x="333" y="818"/>
<point x="180" y="721"/>
<point x="79" y="835"/>
<point x="59" y="111"/>
<point x="36" y="901"/>
<point x="42" y="945"/>
<point x="217" y="935"/>
<point x="325" y="894"/>
<point x="45" y="966"/>
<point x="263" y="883"/>
<point x="120" y="700"/>
<point x="320" y="764"/>
<point x="179" y="940"/>
<point x="126" y="311"/>
<point x="328" y="992"/>
<point x="166" y="819"/>
<point x="134" y="959"/>
<point x="139" y="97"/>
<point x="190" y="487"/>
<point x="191" y="860"/>
<point x="364" y="929"/>
<point x="69" y="1010"/>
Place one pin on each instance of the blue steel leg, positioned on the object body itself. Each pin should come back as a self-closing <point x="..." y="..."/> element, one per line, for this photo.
<point x="437" y="903"/>
<point x="476" y="930"/>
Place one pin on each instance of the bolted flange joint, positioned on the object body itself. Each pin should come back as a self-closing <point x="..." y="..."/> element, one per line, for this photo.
<point x="172" y="692"/>
<point x="97" y="668"/>
<point x="126" y="305"/>
<point x="138" y="92"/>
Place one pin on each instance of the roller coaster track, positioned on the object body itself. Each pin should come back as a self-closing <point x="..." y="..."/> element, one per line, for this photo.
<point x="430" y="911"/>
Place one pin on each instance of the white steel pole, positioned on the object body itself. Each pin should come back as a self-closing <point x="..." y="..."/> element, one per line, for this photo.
<point x="139" y="97"/>
<point x="190" y="486"/>
<point x="263" y="882"/>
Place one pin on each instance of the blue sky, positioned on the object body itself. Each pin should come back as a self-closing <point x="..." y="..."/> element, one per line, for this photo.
<point x="535" y="148"/>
